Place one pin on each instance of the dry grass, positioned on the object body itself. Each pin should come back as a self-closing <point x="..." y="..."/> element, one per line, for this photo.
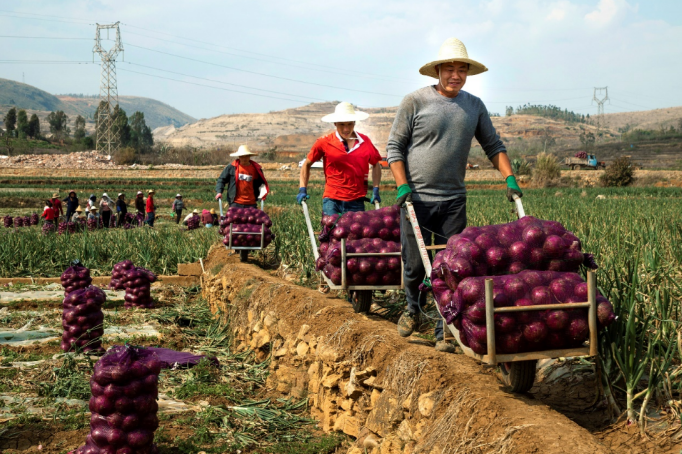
<point x="402" y="376"/>
<point x="546" y="171"/>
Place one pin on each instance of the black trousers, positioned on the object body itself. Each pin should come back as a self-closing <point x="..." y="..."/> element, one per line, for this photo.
<point x="106" y="218"/>
<point x="444" y="219"/>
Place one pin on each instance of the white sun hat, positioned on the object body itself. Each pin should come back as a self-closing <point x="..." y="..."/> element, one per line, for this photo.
<point x="452" y="50"/>
<point x="243" y="151"/>
<point x="344" y="111"/>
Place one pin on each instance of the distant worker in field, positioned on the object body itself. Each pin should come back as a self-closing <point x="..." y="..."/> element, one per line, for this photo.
<point x="347" y="157"/>
<point x="57" y="205"/>
<point x="206" y="218"/>
<point x="92" y="202"/>
<point x="71" y="204"/>
<point x="178" y="206"/>
<point x="76" y="217"/>
<point x="139" y="203"/>
<point x="244" y="179"/>
<point x="214" y="216"/>
<point x="106" y="209"/>
<point x="93" y="214"/>
<point x="121" y="209"/>
<point x="190" y="216"/>
<point x="48" y="213"/>
<point x="428" y="149"/>
<point x="150" y="208"/>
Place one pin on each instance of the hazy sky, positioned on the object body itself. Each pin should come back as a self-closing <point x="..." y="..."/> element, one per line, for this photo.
<point x="367" y="52"/>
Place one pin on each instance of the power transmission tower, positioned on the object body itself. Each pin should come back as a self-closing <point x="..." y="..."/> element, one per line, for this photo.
<point x="107" y="135"/>
<point x="601" y="95"/>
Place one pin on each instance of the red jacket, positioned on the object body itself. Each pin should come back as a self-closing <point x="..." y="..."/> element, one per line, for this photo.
<point x="150" y="208"/>
<point x="57" y="207"/>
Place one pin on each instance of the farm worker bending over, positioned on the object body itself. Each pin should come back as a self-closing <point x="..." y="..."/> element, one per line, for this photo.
<point x="71" y="204"/>
<point x="121" y="209"/>
<point x="48" y="212"/>
<point x="428" y="149"/>
<point x="57" y="205"/>
<point x="190" y="216"/>
<point x="244" y="179"/>
<point x="346" y="156"/>
<point x="178" y="206"/>
<point x="105" y="209"/>
<point x="93" y="213"/>
<point x="206" y="218"/>
<point x="149" y="208"/>
<point x="77" y="215"/>
<point x="139" y="202"/>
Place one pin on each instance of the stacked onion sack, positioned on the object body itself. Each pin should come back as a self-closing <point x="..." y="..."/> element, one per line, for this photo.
<point x="18" y="221"/>
<point x="118" y="274"/>
<point x="48" y="228"/>
<point x="536" y="263"/>
<point x="137" y="282"/>
<point x="249" y="222"/>
<point x="193" y="222"/>
<point x="365" y="232"/>
<point x="8" y="221"/>
<point x="34" y="219"/>
<point x="92" y="224"/>
<point x="82" y="315"/>
<point x="124" y="388"/>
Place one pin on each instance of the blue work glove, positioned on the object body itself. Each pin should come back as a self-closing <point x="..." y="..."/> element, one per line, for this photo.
<point x="302" y="195"/>
<point x="375" y="196"/>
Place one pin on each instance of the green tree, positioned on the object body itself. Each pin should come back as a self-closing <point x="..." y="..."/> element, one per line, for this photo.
<point x="22" y="124"/>
<point x="10" y="121"/>
<point x="587" y="139"/>
<point x="509" y="111"/>
<point x="34" y="127"/>
<point x="79" y="132"/>
<point x="121" y="127"/>
<point x="58" y="125"/>
<point x="140" y="134"/>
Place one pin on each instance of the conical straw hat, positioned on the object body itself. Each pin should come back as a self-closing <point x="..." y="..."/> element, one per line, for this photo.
<point x="344" y="111"/>
<point x="452" y="50"/>
<point x="243" y="151"/>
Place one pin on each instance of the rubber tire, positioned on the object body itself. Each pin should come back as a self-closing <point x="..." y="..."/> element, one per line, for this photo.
<point x="364" y="301"/>
<point x="519" y="375"/>
<point x="576" y="167"/>
<point x="244" y="255"/>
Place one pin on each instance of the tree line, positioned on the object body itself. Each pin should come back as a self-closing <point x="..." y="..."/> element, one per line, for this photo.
<point x="549" y="111"/>
<point x="132" y="131"/>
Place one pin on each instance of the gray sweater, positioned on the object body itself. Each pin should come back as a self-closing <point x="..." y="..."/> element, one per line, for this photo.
<point x="432" y="135"/>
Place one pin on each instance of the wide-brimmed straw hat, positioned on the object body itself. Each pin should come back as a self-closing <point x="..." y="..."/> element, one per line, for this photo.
<point x="344" y="111"/>
<point x="177" y="195"/>
<point x="151" y="191"/>
<point x="195" y="212"/>
<point x="55" y="195"/>
<point x="243" y="151"/>
<point x="93" y="208"/>
<point x="79" y="209"/>
<point x="212" y="210"/>
<point x="452" y="50"/>
<point x="120" y="194"/>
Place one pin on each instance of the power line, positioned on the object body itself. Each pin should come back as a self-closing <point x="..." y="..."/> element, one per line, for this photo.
<point x="632" y="104"/>
<point x="44" y="15"/>
<point x="41" y="37"/>
<point x="209" y="86"/>
<point x="261" y="74"/>
<point x="225" y="83"/>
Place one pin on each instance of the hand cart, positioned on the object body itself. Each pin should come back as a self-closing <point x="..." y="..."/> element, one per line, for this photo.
<point x="361" y="294"/>
<point x="243" y="250"/>
<point x="518" y="369"/>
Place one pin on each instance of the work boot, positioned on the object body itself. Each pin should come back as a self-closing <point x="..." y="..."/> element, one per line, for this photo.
<point x="445" y="346"/>
<point x="408" y="323"/>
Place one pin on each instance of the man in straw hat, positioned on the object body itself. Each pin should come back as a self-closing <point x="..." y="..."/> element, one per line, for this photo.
<point x="150" y="208"/>
<point x="428" y="148"/>
<point x="57" y="205"/>
<point x="347" y="156"/>
<point x="245" y="181"/>
<point x="77" y="215"/>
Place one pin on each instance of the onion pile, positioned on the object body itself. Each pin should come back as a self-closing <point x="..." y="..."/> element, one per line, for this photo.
<point x="19" y="221"/>
<point x="193" y="222"/>
<point x="48" y="228"/>
<point x="137" y="282"/>
<point x="75" y="277"/>
<point x="581" y="155"/>
<point x="494" y="250"/>
<point x="118" y="274"/>
<point x="245" y="223"/>
<point x="27" y="221"/>
<point x="522" y="331"/>
<point x="361" y="270"/>
<point x="124" y="388"/>
<point x="92" y="224"/>
<point x="8" y="221"/>
<point x="82" y="319"/>
<point x="34" y="219"/>
<point x="383" y="223"/>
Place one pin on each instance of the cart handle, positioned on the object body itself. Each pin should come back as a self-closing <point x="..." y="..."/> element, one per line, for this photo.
<point x="220" y="204"/>
<point x="423" y="252"/>
<point x="311" y="233"/>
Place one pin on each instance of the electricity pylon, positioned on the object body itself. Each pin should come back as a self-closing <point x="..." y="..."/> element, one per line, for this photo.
<point x="600" y="103"/>
<point x="107" y="135"/>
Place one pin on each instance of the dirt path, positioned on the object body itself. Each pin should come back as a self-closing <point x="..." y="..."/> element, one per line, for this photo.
<point x="418" y="397"/>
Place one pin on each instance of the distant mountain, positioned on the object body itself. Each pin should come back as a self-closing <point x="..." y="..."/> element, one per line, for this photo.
<point x="23" y="96"/>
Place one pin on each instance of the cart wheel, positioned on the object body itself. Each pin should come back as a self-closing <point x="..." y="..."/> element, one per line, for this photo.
<point x="243" y="255"/>
<point x="519" y="375"/>
<point x="362" y="300"/>
<point x="576" y="167"/>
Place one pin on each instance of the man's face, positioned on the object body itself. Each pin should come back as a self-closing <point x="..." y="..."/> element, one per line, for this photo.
<point x="244" y="160"/>
<point x="452" y="76"/>
<point x="345" y="129"/>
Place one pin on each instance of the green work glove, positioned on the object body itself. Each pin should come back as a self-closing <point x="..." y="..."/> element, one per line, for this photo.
<point x="404" y="194"/>
<point x="513" y="188"/>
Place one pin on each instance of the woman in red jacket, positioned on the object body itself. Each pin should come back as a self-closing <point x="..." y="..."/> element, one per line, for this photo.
<point x="48" y="213"/>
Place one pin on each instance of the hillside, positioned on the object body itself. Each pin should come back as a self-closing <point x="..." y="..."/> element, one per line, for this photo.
<point x="645" y="119"/>
<point x="23" y="96"/>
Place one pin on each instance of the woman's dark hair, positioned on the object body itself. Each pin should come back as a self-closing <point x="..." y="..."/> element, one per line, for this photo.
<point x="48" y="203"/>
